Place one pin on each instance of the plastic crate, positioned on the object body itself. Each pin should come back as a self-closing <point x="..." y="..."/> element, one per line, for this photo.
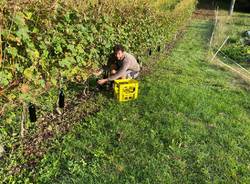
<point x="126" y="89"/>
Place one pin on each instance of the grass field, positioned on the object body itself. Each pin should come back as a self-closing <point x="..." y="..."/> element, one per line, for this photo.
<point x="191" y="124"/>
<point x="235" y="50"/>
<point x="230" y="26"/>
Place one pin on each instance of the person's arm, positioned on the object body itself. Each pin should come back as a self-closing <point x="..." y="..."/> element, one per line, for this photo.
<point x="121" y="72"/>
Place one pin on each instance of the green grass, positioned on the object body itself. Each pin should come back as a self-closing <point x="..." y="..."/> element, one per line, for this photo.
<point x="230" y="26"/>
<point x="234" y="27"/>
<point x="191" y="124"/>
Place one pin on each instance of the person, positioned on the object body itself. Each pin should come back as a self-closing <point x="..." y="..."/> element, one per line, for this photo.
<point x="121" y="65"/>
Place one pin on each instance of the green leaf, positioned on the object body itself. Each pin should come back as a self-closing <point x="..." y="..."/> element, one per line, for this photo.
<point x="23" y="33"/>
<point x="79" y="49"/>
<point x="67" y="61"/>
<point x="58" y="49"/>
<point x="28" y="15"/>
<point x="33" y="54"/>
<point x="12" y="51"/>
<point x="53" y="81"/>
<point x="19" y="19"/>
<point x="25" y="97"/>
<point x="19" y="67"/>
<point x="28" y="73"/>
<point x="5" y="77"/>
<point x="42" y="83"/>
<point x="71" y="48"/>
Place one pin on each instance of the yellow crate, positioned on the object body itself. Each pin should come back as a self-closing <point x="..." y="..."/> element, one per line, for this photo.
<point x="126" y="89"/>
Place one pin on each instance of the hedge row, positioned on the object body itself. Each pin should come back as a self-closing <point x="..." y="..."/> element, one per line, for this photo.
<point x="46" y="44"/>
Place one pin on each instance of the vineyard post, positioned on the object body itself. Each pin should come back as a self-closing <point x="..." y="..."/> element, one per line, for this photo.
<point x="231" y="7"/>
<point x="24" y="118"/>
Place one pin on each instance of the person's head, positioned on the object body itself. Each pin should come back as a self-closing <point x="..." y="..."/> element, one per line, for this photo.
<point x="119" y="52"/>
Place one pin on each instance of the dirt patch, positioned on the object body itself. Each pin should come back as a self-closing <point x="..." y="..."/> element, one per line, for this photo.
<point x="204" y="14"/>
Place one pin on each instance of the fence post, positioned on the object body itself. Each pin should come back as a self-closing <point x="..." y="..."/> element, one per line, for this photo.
<point x="231" y="7"/>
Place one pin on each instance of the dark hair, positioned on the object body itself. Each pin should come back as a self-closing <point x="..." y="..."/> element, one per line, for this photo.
<point x="117" y="48"/>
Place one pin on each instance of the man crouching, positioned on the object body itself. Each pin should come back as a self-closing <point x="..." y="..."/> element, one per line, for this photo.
<point x="121" y="65"/>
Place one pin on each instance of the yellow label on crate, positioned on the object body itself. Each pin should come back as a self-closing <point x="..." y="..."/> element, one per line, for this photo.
<point x="126" y="89"/>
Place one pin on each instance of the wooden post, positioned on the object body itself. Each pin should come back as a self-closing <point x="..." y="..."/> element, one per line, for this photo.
<point x="23" y="121"/>
<point x="231" y="7"/>
<point x="215" y="24"/>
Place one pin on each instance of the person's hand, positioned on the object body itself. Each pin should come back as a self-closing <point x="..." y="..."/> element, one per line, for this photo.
<point x="102" y="81"/>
